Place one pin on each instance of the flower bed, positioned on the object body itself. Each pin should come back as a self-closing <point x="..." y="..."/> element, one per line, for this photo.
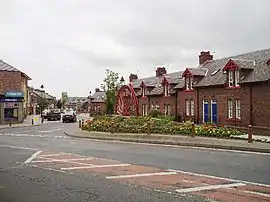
<point x="162" y="125"/>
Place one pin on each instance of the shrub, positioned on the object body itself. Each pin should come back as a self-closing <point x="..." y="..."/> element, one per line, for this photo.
<point x="161" y="125"/>
<point x="155" y="113"/>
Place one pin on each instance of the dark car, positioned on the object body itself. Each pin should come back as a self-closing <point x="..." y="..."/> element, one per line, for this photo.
<point x="69" y="116"/>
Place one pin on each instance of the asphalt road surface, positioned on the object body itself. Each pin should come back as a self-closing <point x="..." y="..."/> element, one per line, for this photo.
<point x="41" y="164"/>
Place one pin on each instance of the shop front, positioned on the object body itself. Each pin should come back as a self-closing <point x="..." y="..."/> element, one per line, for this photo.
<point x="11" y="107"/>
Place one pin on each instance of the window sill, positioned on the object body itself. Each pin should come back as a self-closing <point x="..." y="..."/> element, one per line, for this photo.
<point x="144" y="97"/>
<point x="186" y="91"/>
<point x="166" y="96"/>
<point x="232" y="87"/>
<point x="233" y="120"/>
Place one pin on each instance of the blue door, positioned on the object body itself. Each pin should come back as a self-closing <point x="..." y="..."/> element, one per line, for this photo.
<point x="205" y="111"/>
<point x="214" y="111"/>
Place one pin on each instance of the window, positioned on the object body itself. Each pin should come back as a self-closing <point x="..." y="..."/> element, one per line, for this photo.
<point x="144" y="109"/>
<point x="230" y="108"/>
<point x="237" y="77"/>
<point x="166" y="90"/>
<point x="237" y="109"/>
<point x="187" y="107"/>
<point x="189" y="82"/>
<point x="167" y="109"/>
<point x="143" y="91"/>
<point x="233" y="78"/>
<point x="192" y="107"/>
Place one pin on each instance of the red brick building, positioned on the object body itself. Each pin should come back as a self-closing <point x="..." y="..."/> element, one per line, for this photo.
<point x="97" y="103"/>
<point x="13" y="94"/>
<point x="231" y="91"/>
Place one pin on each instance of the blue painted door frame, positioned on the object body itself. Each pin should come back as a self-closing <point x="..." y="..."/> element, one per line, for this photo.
<point x="205" y="111"/>
<point x="214" y="115"/>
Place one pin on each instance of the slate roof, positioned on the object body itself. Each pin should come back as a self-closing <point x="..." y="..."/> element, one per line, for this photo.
<point x="43" y="94"/>
<point x="254" y="61"/>
<point x="154" y="84"/>
<point x="98" y="97"/>
<point x="212" y="72"/>
<point x="6" y="67"/>
<point x="75" y="100"/>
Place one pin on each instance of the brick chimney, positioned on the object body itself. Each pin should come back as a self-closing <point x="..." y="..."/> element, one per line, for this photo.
<point x="132" y="77"/>
<point x="97" y="90"/>
<point x="160" y="71"/>
<point x="204" y="56"/>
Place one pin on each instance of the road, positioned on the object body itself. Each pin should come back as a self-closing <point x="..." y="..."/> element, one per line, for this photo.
<point x="41" y="164"/>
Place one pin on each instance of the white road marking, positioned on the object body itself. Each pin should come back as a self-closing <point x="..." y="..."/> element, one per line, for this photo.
<point x="50" y="169"/>
<point x="178" y="146"/>
<point x="49" y="131"/>
<point x="95" y="166"/>
<point x="219" y="178"/>
<point x="32" y="157"/>
<point x="141" y="175"/>
<point x="257" y="193"/>
<point x="210" y="187"/>
<point x="60" y="160"/>
<point x="17" y="147"/>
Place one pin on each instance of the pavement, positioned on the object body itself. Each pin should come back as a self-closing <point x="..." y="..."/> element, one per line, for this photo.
<point x="43" y="164"/>
<point x="180" y="140"/>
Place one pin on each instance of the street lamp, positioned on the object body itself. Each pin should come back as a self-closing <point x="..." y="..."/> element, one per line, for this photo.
<point x="42" y="99"/>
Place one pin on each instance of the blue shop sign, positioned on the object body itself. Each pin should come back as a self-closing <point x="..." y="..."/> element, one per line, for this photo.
<point x="14" y="94"/>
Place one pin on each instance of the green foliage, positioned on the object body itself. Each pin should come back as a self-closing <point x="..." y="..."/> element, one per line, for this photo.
<point x="155" y="113"/>
<point x="161" y="125"/>
<point x="59" y="104"/>
<point x="110" y="87"/>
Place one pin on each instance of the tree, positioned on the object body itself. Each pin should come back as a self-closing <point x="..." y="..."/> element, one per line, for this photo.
<point x="59" y="104"/>
<point x="110" y="86"/>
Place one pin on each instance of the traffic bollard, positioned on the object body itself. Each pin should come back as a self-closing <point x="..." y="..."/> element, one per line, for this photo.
<point x="9" y="124"/>
<point x="193" y="130"/>
<point x="148" y="128"/>
<point x="32" y="121"/>
<point x="80" y="124"/>
<point x="250" y="134"/>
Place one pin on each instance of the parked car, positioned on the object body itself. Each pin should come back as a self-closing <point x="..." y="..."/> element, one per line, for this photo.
<point x="54" y="115"/>
<point x="69" y="116"/>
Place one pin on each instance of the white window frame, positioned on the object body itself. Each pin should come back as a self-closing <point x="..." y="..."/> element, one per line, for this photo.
<point x="166" y="90"/>
<point x="237" y="77"/>
<point x="237" y="109"/>
<point x="187" y="83"/>
<point x="190" y="83"/>
<point x="230" y="75"/>
<point x="143" y="91"/>
<point x="187" y="106"/>
<point x="230" y="108"/>
<point x="169" y="109"/>
<point x="192" y="107"/>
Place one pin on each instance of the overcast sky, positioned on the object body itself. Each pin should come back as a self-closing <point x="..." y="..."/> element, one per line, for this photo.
<point x="67" y="44"/>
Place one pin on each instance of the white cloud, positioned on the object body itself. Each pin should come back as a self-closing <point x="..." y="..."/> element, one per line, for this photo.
<point x="67" y="45"/>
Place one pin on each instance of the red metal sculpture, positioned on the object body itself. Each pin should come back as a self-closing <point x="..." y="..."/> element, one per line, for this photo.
<point x="126" y="101"/>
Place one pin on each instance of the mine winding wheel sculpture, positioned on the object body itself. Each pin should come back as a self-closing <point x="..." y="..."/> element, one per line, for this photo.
<point x="127" y="102"/>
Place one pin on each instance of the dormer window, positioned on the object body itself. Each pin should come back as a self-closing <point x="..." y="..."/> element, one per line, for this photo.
<point x="189" y="82"/>
<point x="143" y="89"/>
<point x="233" y="78"/>
<point x="233" y="73"/>
<point x="166" y="90"/>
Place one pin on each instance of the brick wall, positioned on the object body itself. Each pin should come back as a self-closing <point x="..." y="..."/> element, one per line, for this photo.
<point x="221" y="95"/>
<point x="10" y="81"/>
<point x="261" y="105"/>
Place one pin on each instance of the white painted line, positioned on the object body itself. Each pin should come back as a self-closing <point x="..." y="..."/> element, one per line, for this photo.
<point x="141" y="175"/>
<point x="32" y="157"/>
<point x="61" y="160"/>
<point x="210" y="187"/>
<point x="95" y="166"/>
<point x="219" y="178"/>
<point x="257" y="193"/>
<point x="17" y="147"/>
<point x="48" y="155"/>
<point x="50" y="169"/>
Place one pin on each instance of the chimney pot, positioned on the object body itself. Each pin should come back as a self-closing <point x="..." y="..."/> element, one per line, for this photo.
<point x="205" y="56"/>
<point x="132" y="77"/>
<point x="97" y="90"/>
<point x="160" y="71"/>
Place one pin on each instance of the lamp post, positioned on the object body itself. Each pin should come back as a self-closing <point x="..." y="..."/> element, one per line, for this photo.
<point x="90" y="103"/>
